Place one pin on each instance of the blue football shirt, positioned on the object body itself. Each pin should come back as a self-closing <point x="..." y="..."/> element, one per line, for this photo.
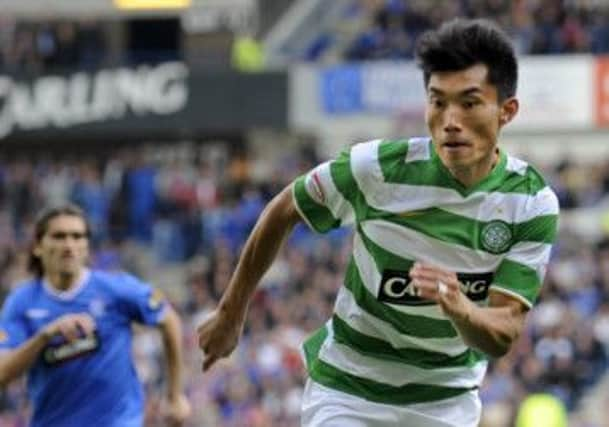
<point x="91" y="381"/>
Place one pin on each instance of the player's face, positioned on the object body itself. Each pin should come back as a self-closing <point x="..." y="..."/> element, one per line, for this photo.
<point x="464" y="117"/>
<point x="64" y="248"/>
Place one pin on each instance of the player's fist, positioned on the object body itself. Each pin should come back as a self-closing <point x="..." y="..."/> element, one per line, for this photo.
<point x="176" y="410"/>
<point x="441" y="286"/>
<point x="218" y="337"/>
<point x="71" y="326"/>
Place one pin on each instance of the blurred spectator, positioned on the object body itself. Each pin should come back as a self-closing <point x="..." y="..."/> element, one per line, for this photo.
<point x="537" y="27"/>
<point x="542" y="407"/>
<point x="49" y="46"/>
<point x="89" y="193"/>
<point x="139" y="194"/>
<point x="247" y="54"/>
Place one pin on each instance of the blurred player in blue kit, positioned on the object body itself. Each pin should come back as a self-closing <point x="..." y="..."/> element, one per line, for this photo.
<point x="69" y="329"/>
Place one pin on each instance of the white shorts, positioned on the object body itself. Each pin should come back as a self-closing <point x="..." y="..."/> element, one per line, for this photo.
<point x="325" y="407"/>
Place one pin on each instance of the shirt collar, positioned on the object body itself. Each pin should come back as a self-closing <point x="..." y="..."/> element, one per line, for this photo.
<point x="70" y="293"/>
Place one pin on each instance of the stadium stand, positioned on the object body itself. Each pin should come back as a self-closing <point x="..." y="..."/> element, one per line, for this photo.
<point x="36" y="46"/>
<point x="371" y="30"/>
<point x="201" y="213"/>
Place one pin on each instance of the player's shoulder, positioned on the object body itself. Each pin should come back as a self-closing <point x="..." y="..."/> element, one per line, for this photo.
<point x="416" y="143"/>
<point x="391" y="149"/>
<point x="24" y="292"/>
<point x="116" y="281"/>
<point x="381" y="159"/>
<point x="524" y="178"/>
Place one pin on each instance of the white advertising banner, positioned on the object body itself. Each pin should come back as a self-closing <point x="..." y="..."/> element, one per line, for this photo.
<point x="351" y="102"/>
<point x="392" y="87"/>
<point x="84" y="98"/>
<point x="355" y="102"/>
<point x="556" y="93"/>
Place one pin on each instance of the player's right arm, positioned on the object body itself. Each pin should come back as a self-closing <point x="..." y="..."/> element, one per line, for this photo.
<point x="219" y="333"/>
<point x="16" y="361"/>
<point x="323" y="198"/>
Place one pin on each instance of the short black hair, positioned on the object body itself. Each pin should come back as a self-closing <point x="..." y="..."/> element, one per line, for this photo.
<point x="41" y="226"/>
<point x="461" y="43"/>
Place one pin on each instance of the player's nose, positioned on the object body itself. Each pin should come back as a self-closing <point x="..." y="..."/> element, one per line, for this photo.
<point x="451" y="121"/>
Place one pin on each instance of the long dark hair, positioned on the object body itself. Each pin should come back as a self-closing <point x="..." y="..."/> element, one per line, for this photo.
<point x="41" y="226"/>
<point x="461" y="43"/>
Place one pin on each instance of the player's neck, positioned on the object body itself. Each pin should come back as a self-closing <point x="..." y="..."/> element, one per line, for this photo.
<point x="63" y="281"/>
<point x="473" y="174"/>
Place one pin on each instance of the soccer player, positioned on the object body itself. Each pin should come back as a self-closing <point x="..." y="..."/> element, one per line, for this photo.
<point x="452" y="236"/>
<point x="69" y="328"/>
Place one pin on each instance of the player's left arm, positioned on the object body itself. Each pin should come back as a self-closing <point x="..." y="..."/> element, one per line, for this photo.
<point x="147" y="305"/>
<point x="177" y="406"/>
<point x="492" y="329"/>
<point x="495" y="328"/>
<point x="516" y="283"/>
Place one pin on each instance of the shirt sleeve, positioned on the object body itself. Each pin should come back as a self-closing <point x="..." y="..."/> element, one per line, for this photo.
<point x="323" y="196"/>
<point x="142" y="303"/>
<point x="522" y="271"/>
<point x="13" y="327"/>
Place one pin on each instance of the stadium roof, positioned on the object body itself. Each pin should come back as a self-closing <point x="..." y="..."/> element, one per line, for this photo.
<point x="58" y="9"/>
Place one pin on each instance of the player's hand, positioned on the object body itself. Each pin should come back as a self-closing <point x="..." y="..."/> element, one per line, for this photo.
<point x="71" y="326"/>
<point x="435" y="284"/>
<point x="176" y="410"/>
<point x="218" y="337"/>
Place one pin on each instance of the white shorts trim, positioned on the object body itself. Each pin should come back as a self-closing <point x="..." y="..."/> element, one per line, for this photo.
<point x="325" y="407"/>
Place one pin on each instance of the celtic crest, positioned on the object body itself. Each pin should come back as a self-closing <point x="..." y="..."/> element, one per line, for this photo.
<point x="496" y="237"/>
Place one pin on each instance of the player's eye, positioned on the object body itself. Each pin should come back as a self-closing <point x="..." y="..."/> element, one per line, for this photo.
<point x="469" y="103"/>
<point x="60" y="235"/>
<point x="437" y="103"/>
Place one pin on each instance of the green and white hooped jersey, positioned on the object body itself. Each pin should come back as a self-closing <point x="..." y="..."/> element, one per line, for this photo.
<point x="384" y="343"/>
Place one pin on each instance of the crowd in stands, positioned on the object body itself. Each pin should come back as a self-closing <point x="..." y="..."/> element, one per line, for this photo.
<point x="37" y="46"/>
<point x="387" y="29"/>
<point x="177" y="216"/>
<point x="367" y="30"/>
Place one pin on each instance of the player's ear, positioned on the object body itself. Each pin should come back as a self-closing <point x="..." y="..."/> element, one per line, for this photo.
<point x="36" y="250"/>
<point x="509" y="109"/>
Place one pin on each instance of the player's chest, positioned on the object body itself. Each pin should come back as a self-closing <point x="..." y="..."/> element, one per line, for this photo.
<point x="104" y="310"/>
<point x="108" y="328"/>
